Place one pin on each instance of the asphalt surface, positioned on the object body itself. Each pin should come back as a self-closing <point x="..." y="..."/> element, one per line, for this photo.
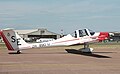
<point x="61" y="60"/>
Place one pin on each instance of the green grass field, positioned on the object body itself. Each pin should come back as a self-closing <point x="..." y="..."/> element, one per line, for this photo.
<point x="2" y="45"/>
<point x="105" y="45"/>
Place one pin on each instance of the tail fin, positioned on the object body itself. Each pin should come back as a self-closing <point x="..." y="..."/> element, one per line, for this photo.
<point x="12" y="40"/>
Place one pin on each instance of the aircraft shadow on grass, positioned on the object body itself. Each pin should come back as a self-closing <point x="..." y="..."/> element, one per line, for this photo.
<point x="93" y="54"/>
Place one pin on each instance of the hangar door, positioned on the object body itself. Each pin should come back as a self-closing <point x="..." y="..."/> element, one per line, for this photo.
<point x="43" y="36"/>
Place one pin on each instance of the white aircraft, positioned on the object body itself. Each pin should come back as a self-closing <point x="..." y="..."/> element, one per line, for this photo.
<point x="85" y="36"/>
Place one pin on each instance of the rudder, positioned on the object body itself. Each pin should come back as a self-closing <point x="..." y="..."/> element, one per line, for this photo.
<point x="10" y="39"/>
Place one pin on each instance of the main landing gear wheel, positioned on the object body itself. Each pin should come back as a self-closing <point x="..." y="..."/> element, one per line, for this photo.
<point x="86" y="48"/>
<point x="18" y="51"/>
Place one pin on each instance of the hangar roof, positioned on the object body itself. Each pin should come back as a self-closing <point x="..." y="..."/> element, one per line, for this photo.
<point x="35" y="30"/>
<point x="25" y="31"/>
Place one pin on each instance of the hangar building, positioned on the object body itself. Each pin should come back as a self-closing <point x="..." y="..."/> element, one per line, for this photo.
<point x="37" y="34"/>
<point x="116" y="36"/>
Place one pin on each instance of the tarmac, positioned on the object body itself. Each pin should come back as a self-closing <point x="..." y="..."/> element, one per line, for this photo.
<point x="61" y="60"/>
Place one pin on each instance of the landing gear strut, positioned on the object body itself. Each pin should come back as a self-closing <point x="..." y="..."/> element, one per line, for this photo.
<point x="86" y="48"/>
<point x="18" y="51"/>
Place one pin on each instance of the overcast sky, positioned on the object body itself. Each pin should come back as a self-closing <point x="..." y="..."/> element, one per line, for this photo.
<point x="69" y="15"/>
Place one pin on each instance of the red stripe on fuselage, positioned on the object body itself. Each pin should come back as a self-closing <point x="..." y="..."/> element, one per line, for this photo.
<point x="6" y="42"/>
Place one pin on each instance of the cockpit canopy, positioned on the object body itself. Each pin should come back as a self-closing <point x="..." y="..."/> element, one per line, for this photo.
<point x="91" y="32"/>
<point x="83" y="32"/>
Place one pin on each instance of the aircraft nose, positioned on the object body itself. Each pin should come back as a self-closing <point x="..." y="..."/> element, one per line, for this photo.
<point x="103" y="36"/>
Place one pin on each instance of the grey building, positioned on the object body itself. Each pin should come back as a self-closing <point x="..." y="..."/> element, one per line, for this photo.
<point x="116" y="36"/>
<point x="37" y="33"/>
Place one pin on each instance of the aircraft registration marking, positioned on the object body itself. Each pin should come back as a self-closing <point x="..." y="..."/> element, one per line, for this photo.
<point x="41" y="45"/>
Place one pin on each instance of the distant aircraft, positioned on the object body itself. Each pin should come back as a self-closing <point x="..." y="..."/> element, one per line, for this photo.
<point x="85" y="36"/>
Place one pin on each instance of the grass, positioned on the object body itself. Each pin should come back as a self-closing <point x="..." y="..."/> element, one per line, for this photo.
<point x="2" y="45"/>
<point x="111" y="45"/>
<point x="105" y="45"/>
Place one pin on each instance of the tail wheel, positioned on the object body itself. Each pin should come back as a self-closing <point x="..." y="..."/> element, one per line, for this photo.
<point x="18" y="52"/>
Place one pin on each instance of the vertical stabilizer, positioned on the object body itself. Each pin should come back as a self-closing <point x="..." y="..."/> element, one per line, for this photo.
<point x="13" y="41"/>
<point x="10" y="39"/>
